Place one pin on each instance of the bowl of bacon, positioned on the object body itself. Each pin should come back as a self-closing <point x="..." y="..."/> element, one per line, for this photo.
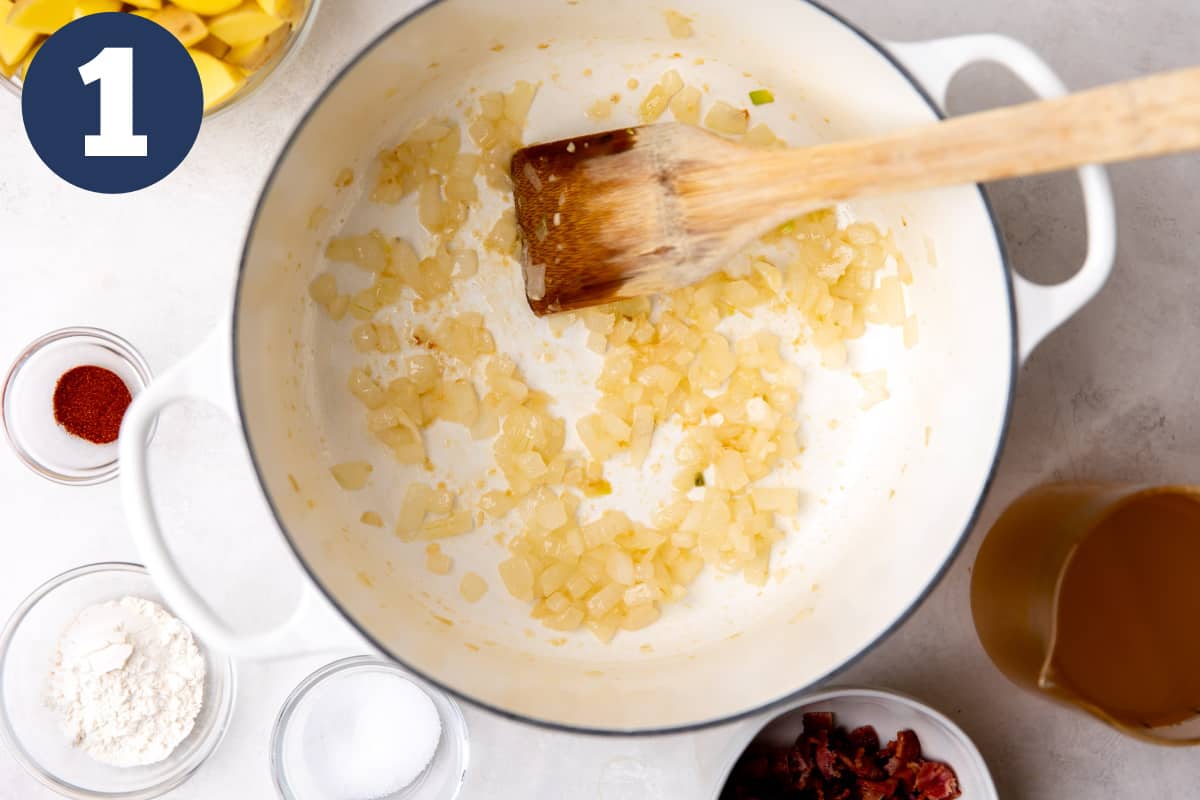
<point x="857" y="744"/>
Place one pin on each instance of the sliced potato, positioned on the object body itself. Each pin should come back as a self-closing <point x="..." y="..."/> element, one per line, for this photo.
<point x="23" y="73"/>
<point x="243" y="25"/>
<point x="40" y="16"/>
<point x="153" y="5"/>
<point x="144" y="13"/>
<point x="207" y="8"/>
<point x="213" y="46"/>
<point x="85" y="7"/>
<point x="284" y="9"/>
<point x="219" y="80"/>
<point x="254" y="55"/>
<point x="185" y="25"/>
<point x="15" y="42"/>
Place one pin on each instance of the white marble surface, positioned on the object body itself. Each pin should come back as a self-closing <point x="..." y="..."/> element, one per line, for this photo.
<point x="1111" y="395"/>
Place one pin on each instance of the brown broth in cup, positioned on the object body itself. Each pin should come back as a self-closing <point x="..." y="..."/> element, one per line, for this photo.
<point x="1128" y="624"/>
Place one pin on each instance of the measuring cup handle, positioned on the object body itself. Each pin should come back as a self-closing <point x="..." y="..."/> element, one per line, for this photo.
<point x="1040" y="309"/>
<point x="204" y="375"/>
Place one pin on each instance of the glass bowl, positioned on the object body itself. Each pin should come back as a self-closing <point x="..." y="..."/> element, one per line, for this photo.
<point x="301" y="26"/>
<point x="31" y="730"/>
<point x="442" y="778"/>
<point x="40" y="443"/>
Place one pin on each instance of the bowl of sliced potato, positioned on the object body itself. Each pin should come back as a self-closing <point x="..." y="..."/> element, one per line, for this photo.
<point x="236" y="44"/>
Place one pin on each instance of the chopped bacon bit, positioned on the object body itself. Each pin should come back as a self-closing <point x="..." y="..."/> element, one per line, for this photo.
<point x="937" y="781"/>
<point x="864" y="765"/>
<point x="818" y="721"/>
<point x="902" y="751"/>
<point x="779" y="767"/>
<point x="865" y="738"/>
<point x="905" y="777"/>
<point x="829" y="763"/>
<point x="800" y="767"/>
<point x="877" y="790"/>
<point x="827" y="759"/>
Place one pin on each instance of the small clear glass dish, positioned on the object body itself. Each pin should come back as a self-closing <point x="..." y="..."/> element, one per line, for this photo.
<point x="31" y="730"/>
<point x="28" y="395"/>
<point x="442" y="778"/>
<point x="301" y="22"/>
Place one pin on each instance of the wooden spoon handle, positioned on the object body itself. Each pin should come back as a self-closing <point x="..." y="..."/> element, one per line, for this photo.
<point x="1134" y="119"/>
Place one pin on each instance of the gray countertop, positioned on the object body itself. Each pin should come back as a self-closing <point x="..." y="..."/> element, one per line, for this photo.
<point x="1108" y="396"/>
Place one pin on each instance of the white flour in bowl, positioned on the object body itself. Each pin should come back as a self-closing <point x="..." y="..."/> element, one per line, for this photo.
<point x="128" y="680"/>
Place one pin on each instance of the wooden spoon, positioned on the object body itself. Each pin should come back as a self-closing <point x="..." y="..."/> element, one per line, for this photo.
<point x="652" y="208"/>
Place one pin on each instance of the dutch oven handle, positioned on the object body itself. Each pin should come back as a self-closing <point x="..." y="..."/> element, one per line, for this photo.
<point x="1040" y="309"/>
<point x="203" y="375"/>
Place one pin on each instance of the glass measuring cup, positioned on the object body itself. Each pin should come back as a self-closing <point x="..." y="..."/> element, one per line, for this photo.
<point x="1087" y="592"/>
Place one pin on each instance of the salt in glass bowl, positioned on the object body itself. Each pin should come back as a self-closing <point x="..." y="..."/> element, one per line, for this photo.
<point x="442" y="778"/>
<point x="32" y="731"/>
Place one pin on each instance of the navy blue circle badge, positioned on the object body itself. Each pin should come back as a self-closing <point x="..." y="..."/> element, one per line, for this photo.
<point x="112" y="103"/>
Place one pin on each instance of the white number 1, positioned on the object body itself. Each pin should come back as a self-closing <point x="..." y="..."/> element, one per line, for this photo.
<point x="113" y="67"/>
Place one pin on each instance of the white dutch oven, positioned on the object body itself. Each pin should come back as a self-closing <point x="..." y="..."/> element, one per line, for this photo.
<point x="889" y="494"/>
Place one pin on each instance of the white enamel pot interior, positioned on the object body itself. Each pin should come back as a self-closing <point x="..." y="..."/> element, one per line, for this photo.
<point x="888" y="494"/>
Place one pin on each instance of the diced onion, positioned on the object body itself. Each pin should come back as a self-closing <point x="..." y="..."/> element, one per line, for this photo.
<point x="724" y="118"/>
<point x="679" y="26"/>
<point x="351" y="475"/>
<point x="436" y="561"/>
<point x="472" y="588"/>
<point x="671" y="361"/>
